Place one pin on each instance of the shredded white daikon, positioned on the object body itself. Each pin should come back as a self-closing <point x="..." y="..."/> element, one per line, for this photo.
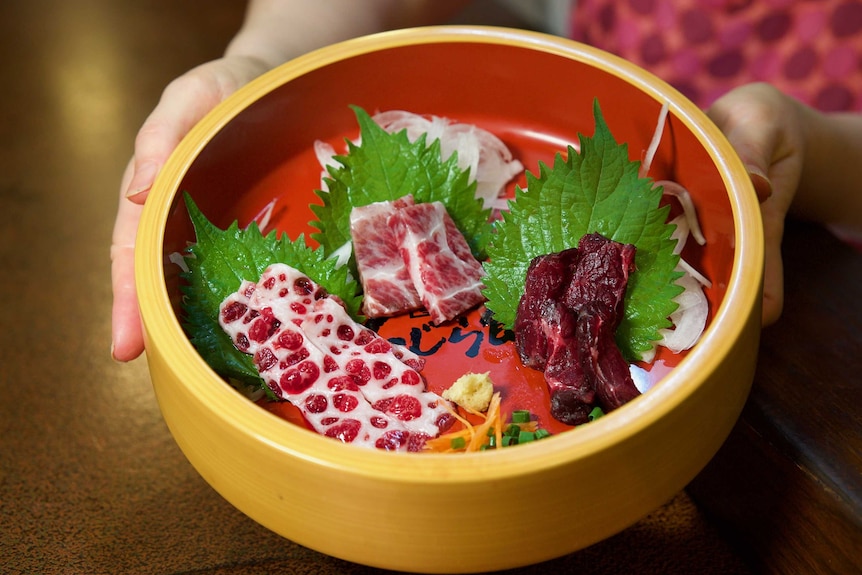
<point x="326" y="157"/>
<point x="656" y="140"/>
<point x="342" y="254"/>
<point x="680" y="234"/>
<point x="264" y="215"/>
<point x="689" y="319"/>
<point x="489" y="160"/>
<point x="178" y="259"/>
<point x="676" y="190"/>
<point x="486" y="156"/>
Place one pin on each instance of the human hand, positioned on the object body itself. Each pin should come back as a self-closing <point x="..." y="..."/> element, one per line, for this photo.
<point x="184" y="102"/>
<point x="767" y="129"/>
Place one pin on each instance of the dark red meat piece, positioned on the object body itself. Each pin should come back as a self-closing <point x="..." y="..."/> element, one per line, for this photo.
<point x="566" y="322"/>
<point x="605" y="368"/>
<point x="547" y="279"/>
<point x="601" y="275"/>
<point x="572" y="396"/>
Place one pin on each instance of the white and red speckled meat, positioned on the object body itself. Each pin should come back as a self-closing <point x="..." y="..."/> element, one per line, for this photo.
<point x="348" y="382"/>
<point x="388" y="376"/>
<point x="386" y="284"/>
<point x="444" y="272"/>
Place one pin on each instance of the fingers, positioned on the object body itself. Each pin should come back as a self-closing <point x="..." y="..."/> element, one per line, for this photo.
<point x="184" y="102"/>
<point x="182" y="105"/>
<point x="127" y="341"/>
<point x="747" y="116"/>
<point x="764" y="127"/>
<point x="773" y="273"/>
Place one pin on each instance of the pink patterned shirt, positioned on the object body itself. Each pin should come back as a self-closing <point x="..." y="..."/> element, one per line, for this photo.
<point x="810" y="49"/>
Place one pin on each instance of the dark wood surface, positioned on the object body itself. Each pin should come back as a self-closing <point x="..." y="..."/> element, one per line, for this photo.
<point x="788" y="482"/>
<point x="92" y="482"/>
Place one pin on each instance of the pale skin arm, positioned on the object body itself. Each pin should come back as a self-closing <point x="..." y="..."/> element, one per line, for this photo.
<point x="273" y="32"/>
<point x="803" y="163"/>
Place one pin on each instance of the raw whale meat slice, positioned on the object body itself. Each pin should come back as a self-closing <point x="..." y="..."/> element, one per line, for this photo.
<point x="601" y="275"/>
<point x="386" y="284"/>
<point x="605" y="368"/>
<point x="387" y="378"/>
<point x="296" y="370"/>
<point x="287" y="323"/>
<point x="446" y="275"/>
<point x="545" y="332"/>
<point x="572" y="394"/>
<point x="547" y="278"/>
<point x="565" y="326"/>
<point x="596" y="294"/>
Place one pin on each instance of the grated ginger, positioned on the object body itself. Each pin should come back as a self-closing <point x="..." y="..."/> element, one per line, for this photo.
<point x="472" y="391"/>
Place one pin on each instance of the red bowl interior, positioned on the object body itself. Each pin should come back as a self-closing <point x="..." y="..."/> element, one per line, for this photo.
<point x="534" y="100"/>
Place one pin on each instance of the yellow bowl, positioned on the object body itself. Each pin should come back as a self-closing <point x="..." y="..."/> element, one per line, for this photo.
<point x="438" y="512"/>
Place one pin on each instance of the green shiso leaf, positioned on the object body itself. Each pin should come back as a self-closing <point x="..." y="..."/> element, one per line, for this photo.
<point x="596" y="190"/>
<point x="217" y="264"/>
<point x="387" y="166"/>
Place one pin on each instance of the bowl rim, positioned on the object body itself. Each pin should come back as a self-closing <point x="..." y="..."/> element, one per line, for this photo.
<point x="743" y="288"/>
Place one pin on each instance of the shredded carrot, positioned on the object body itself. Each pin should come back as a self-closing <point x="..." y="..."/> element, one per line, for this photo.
<point x="477" y="437"/>
<point x="474" y="436"/>
<point x="492" y="421"/>
<point x="443" y="443"/>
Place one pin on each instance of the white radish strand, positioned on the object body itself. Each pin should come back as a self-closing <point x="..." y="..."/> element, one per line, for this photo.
<point x="680" y="234"/>
<point x="656" y="139"/>
<point x="676" y="190"/>
<point x="325" y="154"/>
<point x="689" y="319"/>
<point x="264" y="215"/>
<point x="490" y="162"/>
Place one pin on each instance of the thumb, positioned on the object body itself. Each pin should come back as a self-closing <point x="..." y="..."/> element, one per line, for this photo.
<point x="750" y="118"/>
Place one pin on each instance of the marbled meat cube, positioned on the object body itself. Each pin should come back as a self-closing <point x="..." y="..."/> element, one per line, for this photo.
<point x="386" y="284"/>
<point x="445" y="273"/>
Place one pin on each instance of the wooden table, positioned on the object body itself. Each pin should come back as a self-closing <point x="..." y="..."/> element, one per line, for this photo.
<point x="92" y="482"/>
<point x="788" y="481"/>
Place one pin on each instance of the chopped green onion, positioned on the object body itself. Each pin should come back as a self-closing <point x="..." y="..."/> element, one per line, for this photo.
<point x="513" y="430"/>
<point x="491" y="432"/>
<point x="458" y="443"/>
<point x="509" y="440"/>
<point x="521" y="416"/>
<point x="596" y="413"/>
<point x="542" y="433"/>
<point x="526" y="437"/>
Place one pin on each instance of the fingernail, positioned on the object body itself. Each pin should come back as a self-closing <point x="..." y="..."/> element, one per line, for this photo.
<point x="761" y="182"/>
<point x="143" y="179"/>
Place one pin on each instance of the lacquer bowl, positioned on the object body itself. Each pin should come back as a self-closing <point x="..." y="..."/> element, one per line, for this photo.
<point x="447" y="512"/>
